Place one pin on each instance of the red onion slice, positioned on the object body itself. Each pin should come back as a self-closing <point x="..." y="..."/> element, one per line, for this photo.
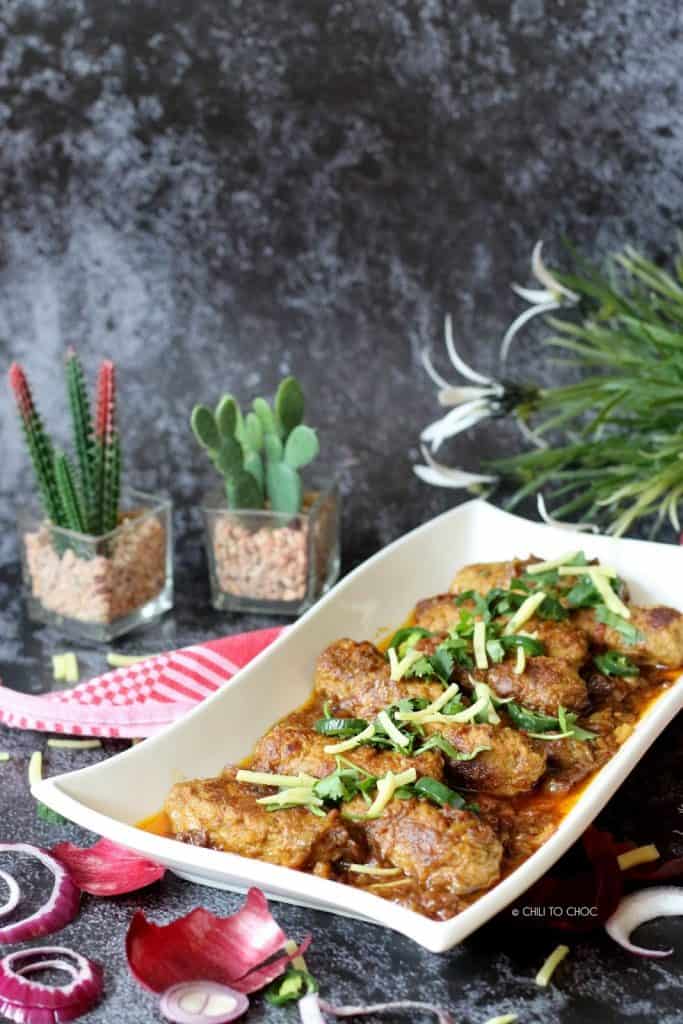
<point x="61" y="907"/>
<point x="642" y="906"/>
<point x="442" y="1016"/>
<point x="202" y="1002"/>
<point x="13" y="896"/>
<point x="32" y="1002"/>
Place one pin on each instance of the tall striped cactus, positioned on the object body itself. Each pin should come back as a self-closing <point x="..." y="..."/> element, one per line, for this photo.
<point x="71" y="500"/>
<point x="38" y="444"/>
<point x="81" y="423"/>
<point x="107" y="449"/>
<point x="88" y="500"/>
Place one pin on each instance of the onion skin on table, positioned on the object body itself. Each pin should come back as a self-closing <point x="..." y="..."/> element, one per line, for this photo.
<point x="107" y="869"/>
<point x="31" y="1002"/>
<point x="61" y="907"/>
<point x="234" y="951"/>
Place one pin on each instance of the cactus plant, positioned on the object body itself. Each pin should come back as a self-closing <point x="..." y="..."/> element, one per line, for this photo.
<point x="67" y="491"/>
<point x="259" y="454"/>
<point x="289" y="405"/>
<point x="283" y="461"/>
<point x="86" y="501"/>
<point x="218" y="433"/>
<point x="81" y="423"/>
<point x="107" y="455"/>
<point x="38" y="444"/>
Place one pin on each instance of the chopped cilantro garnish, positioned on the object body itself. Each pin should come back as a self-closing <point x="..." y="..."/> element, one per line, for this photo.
<point x="411" y="704"/>
<point x="481" y="605"/>
<point x="464" y="628"/>
<point x="453" y="706"/>
<point x="625" y="628"/>
<point x="506" y="602"/>
<point x="541" y="579"/>
<point x="583" y="594"/>
<point x="329" y="726"/>
<point x="421" y="668"/>
<point x="552" y="609"/>
<point x="442" y="663"/>
<point x="438" y="742"/>
<point x="343" y="784"/>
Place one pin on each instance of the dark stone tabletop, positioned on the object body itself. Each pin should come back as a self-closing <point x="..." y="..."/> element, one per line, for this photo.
<point x="218" y="193"/>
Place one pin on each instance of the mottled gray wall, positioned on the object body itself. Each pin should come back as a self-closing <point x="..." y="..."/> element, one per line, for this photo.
<point x="218" y="192"/>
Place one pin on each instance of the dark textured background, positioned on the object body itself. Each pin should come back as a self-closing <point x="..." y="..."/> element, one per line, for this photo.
<point x="220" y="192"/>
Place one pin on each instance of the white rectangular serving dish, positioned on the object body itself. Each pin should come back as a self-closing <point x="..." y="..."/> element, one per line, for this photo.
<point x="109" y="798"/>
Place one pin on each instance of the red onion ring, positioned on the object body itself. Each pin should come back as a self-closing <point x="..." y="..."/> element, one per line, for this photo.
<point x="61" y="907"/>
<point x="171" y="1004"/>
<point x="33" y="1002"/>
<point x="13" y="896"/>
<point x="642" y="906"/>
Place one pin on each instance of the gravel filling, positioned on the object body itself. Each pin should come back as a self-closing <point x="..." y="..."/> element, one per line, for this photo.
<point x="270" y="563"/>
<point x="104" y="587"/>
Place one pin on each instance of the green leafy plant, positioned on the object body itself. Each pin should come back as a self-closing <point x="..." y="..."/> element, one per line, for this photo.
<point x="84" y="498"/>
<point x="260" y="453"/>
<point x="608" y="447"/>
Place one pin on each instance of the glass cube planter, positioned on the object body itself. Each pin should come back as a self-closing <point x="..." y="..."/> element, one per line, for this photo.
<point x="270" y="562"/>
<point x="98" y="588"/>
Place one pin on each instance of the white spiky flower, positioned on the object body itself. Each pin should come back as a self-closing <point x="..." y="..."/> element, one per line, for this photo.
<point x="439" y="475"/>
<point x="470" y="403"/>
<point x="481" y="397"/>
<point x="554" y="295"/>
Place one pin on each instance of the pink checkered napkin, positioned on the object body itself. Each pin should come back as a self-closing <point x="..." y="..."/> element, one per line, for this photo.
<point x="140" y="699"/>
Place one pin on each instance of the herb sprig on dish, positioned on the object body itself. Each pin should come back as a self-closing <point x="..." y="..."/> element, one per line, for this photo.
<point x="347" y="782"/>
<point x="400" y="727"/>
<point x="459" y="647"/>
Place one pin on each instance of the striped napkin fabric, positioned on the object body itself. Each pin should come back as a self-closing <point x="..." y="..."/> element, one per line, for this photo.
<point x="140" y="699"/>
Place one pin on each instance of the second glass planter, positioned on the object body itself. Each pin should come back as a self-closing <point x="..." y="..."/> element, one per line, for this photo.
<point x="263" y="561"/>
